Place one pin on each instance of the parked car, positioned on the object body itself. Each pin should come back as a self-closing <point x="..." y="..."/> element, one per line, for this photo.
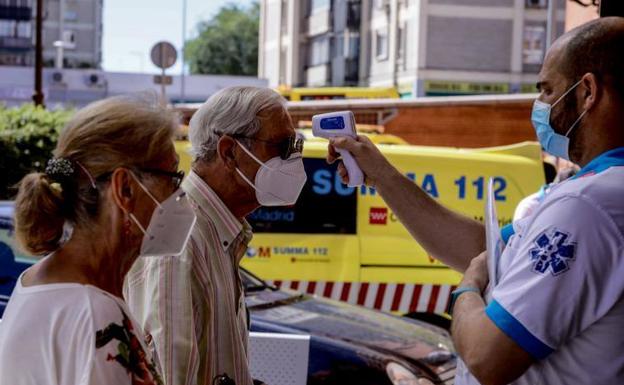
<point x="349" y="345"/>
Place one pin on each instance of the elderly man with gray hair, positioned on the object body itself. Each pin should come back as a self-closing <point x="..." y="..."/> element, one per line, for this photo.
<point x="245" y="154"/>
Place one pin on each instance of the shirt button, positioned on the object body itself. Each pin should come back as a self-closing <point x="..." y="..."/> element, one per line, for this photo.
<point x="225" y="243"/>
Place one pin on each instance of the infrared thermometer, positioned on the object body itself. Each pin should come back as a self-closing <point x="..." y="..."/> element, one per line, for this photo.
<point x="341" y="123"/>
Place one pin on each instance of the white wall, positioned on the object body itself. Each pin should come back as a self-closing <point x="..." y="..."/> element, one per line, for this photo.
<point x="16" y="85"/>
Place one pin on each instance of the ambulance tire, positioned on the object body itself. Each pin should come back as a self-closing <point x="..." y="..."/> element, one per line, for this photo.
<point x="431" y="318"/>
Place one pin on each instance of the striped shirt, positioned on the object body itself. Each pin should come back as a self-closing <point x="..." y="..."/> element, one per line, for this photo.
<point x="193" y="305"/>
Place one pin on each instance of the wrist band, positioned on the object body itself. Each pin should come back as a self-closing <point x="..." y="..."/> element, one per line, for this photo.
<point x="457" y="292"/>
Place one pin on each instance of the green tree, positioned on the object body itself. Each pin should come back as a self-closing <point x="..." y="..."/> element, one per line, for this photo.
<point x="227" y="44"/>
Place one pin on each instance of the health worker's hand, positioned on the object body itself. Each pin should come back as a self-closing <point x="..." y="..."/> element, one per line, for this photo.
<point x="477" y="273"/>
<point x="366" y="154"/>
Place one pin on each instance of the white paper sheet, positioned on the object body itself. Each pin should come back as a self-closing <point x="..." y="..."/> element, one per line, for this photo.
<point x="493" y="240"/>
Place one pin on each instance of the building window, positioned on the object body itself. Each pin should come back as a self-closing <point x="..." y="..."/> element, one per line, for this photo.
<point x="319" y="5"/>
<point x="401" y="42"/>
<point x="7" y="28"/>
<point x="319" y="51"/>
<point x="381" y="44"/>
<point x="24" y="30"/>
<point x="536" y="3"/>
<point x="353" y="50"/>
<point x="284" y="17"/>
<point x="71" y="15"/>
<point x="533" y="45"/>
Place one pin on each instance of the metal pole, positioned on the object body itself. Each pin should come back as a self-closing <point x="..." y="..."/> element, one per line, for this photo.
<point x="61" y="45"/>
<point x="162" y="76"/>
<point x="38" y="94"/>
<point x="551" y="24"/>
<point x="182" y="76"/>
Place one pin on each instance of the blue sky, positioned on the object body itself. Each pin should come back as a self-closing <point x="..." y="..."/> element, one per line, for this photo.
<point x="131" y="27"/>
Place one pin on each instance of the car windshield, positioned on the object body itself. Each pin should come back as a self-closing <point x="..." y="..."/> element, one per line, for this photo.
<point x="252" y="283"/>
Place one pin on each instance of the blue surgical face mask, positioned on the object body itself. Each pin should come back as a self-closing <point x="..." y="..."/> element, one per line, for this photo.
<point x="552" y="142"/>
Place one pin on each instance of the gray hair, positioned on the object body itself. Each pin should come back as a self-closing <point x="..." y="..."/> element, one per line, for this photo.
<point x="231" y="111"/>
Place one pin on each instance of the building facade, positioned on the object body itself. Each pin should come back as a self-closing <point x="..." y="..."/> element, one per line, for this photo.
<point x="310" y="42"/>
<point x="74" y="25"/>
<point x="422" y="47"/>
<point x="16" y="32"/>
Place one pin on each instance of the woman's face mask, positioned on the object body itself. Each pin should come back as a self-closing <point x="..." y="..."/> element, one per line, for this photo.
<point x="169" y="228"/>
<point x="278" y="181"/>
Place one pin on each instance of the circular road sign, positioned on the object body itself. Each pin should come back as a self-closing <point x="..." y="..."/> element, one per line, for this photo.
<point x="164" y="55"/>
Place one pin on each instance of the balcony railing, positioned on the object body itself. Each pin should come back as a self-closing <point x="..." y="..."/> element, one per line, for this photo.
<point x="15" y="43"/>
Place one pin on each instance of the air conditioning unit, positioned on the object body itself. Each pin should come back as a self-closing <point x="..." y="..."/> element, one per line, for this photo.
<point x="95" y="80"/>
<point x="57" y="77"/>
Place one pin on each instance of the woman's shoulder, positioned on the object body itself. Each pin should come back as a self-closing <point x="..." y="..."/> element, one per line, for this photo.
<point x="102" y="306"/>
<point x="72" y="300"/>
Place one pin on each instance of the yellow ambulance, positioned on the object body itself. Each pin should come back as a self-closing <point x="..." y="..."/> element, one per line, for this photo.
<point x="346" y="244"/>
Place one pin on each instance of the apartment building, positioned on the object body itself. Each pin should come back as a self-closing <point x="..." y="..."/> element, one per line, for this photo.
<point x="16" y="32"/>
<point x="422" y="47"/>
<point x="310" y="42"/>
<point x="74" y="24"/>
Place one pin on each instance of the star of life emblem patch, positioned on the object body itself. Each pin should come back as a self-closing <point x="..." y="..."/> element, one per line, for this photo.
<point x="553" y="252"/>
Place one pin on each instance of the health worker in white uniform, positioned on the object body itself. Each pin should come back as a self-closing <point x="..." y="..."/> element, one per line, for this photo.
<point x="555" y="313"/>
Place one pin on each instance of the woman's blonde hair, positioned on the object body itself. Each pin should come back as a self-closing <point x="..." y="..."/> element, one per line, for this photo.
<point x="122" y="131"/>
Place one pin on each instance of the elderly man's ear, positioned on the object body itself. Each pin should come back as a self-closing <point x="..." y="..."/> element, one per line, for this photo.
<point x="226" y="151"/>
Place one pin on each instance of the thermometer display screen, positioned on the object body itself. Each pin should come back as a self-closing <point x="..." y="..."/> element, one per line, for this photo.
<point x="333" y="123"/>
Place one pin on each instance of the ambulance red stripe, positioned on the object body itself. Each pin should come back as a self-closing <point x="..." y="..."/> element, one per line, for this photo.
<point x="387" y="295"/>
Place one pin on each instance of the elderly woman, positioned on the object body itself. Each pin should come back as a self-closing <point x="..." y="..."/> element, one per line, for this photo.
<point x="109" y="195"/>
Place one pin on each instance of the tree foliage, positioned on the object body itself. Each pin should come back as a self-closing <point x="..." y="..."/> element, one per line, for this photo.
<point x="28" y="135"/>
<point x="227" y="44"/>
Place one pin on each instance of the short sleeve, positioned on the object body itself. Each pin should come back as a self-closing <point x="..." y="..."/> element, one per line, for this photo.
<point x="118" y="355"/>
<point x="565" y="274"/>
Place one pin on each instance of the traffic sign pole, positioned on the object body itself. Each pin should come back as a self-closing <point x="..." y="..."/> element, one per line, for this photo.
<point x="163" y="55"/>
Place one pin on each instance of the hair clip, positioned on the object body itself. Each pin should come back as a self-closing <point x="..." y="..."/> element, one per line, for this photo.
<point x="59" y="167"/>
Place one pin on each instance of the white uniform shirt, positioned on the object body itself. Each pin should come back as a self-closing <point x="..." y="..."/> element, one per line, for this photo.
<point x="561" y="291"/>
<point x="71" y="334"/>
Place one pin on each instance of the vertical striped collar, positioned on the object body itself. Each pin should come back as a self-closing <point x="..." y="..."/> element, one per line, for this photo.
<point x="210" y="206"/>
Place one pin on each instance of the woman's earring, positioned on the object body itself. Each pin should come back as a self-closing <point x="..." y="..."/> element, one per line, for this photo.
<point x="126" y="226"/>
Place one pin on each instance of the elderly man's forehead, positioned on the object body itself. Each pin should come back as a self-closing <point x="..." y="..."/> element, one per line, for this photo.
<point x="277" y="122"/>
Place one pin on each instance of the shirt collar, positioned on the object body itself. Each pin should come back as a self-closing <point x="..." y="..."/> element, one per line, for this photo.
<point x="210" y="205"/>
<point x="602" y="162"/>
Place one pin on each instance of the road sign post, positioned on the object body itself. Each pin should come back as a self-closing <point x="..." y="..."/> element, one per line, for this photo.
<point x="164" y="55"/>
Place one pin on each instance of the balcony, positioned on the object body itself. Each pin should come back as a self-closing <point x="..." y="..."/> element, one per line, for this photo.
<point x="15" y="43"/>
<point x="319" y="23"/>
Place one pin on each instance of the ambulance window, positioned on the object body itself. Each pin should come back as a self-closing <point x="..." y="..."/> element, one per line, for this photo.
<point x="325" y="206"/>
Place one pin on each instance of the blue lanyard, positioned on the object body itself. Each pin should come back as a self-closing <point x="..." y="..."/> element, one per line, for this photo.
<point x="602" y="162"/>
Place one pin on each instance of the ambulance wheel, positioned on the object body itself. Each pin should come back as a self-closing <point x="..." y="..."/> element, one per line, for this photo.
<point x="431" y="318"/>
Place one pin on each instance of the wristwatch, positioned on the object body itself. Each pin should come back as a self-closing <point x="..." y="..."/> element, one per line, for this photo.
<point x="456" y="293"/>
